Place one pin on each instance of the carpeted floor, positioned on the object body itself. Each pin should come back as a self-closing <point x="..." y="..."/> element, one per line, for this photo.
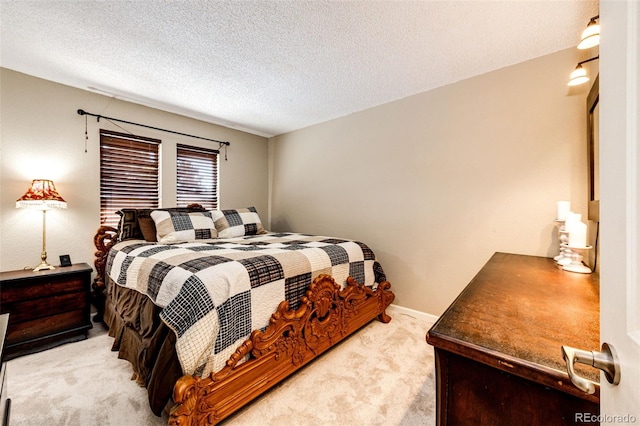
<point x="383" y="375"/>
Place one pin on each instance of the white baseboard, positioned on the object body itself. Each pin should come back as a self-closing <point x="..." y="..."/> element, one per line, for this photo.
<point x="413" y="313"/>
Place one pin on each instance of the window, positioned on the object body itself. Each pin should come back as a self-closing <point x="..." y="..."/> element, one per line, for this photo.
<point x="128" y="174"/>
<point x="197" y="176"/>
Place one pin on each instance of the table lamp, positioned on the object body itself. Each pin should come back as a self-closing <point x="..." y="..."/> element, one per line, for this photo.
<point x="42" y="195"/>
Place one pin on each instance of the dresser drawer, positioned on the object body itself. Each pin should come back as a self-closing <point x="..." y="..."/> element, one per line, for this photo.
<point x="29" y="289"/>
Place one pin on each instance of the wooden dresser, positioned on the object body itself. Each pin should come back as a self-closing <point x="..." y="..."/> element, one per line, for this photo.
<point x="498" y="346"/>
<point x="47" y="308"/>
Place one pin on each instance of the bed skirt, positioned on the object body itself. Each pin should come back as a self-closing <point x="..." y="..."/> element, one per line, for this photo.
<point x="141" y="338"/>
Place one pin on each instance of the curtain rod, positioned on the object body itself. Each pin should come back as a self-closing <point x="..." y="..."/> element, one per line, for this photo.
<point x="98" y="117"/>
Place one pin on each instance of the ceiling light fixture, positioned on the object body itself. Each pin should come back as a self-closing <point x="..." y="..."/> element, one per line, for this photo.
<point x="591" y="35"/>
<point x="579" y="75"/>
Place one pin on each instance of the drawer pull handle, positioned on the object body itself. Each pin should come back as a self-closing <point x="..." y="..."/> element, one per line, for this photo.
<point x="606" y="360"/>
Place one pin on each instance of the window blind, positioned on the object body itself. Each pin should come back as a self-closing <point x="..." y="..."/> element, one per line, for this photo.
<point x="197" y="176"/>
<point x="128" y="174"/>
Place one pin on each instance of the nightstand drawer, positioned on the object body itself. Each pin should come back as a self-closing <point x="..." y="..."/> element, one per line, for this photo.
<point x="44" y="327"/>
<point x="23" y="289"/>
<point x="27" y="310"/>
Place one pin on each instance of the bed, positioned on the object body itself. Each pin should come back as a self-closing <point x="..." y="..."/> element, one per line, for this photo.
<point x="211" y="310"/>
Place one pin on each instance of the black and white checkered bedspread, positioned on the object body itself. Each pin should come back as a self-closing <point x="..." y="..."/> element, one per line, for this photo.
<point x="215" y="292"/>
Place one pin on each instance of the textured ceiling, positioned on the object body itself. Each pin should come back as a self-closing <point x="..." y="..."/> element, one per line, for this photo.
<point x="270" y="67"/>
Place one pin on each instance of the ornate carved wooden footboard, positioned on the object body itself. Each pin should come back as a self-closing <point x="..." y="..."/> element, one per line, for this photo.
<point x="292" y="339"/>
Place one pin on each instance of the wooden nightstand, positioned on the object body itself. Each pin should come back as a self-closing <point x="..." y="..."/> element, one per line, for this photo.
<point x="47" y="308"/>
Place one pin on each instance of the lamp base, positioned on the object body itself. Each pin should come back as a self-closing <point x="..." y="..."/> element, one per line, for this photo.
<point x="43" y="266"/>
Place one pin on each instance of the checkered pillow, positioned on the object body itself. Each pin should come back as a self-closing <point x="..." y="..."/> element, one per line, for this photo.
<point x="238" y="222"/>
<point x="174" y="227"/>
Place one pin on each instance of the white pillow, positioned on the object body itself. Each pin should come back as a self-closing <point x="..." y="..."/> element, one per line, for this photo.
<point x="237" y="222"/>
<point x="176" y="227"/>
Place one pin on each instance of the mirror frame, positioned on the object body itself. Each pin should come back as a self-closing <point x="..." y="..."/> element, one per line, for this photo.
<point x="593" y="139"/>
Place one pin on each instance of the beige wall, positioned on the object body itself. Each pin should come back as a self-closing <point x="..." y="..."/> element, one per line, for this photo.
<point x="438" y="182"/>
<point x="42" y="136"/>
<point x="434" y="183"/>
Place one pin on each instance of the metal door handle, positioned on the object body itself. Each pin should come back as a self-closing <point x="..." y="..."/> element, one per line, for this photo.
<point x="606" y="360"/>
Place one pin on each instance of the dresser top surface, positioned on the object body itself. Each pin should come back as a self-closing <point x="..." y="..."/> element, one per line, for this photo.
<point x="524" y="308"/>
